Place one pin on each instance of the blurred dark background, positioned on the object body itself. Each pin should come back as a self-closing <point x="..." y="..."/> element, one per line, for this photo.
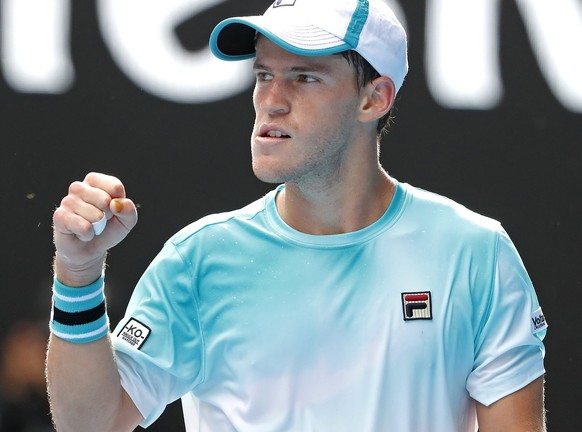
<point x="176" y="131"/>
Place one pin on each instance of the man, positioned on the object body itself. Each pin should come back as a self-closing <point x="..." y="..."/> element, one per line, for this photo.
<point x="341" y="301"/>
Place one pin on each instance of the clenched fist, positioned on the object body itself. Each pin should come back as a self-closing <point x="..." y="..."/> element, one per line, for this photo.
<point x="80" y="252"/>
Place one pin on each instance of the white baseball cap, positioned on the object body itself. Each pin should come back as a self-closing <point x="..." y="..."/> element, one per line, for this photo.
<point x="318" y="28"/>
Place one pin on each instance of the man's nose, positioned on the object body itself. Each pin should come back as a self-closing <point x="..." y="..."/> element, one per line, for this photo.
<point x="273" y="98"/>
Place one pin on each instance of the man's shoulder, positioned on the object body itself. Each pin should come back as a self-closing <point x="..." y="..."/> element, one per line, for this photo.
<point x="223" y="221"/>
<point x="435" y="208"/>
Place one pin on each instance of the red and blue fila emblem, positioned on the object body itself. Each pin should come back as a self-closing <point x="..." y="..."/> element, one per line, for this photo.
<point x="417" y="306"/>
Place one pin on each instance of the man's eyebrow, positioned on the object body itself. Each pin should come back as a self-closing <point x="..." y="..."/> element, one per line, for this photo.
<point x="259" y="66"/>
<point x="318" y="68"/>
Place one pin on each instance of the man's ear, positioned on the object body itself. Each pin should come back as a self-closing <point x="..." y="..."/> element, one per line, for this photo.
<point x="377" y="99"/>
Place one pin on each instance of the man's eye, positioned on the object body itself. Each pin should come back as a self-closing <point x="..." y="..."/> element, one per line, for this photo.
<point x="264" y="76"/>
<point x="307" y="78"/>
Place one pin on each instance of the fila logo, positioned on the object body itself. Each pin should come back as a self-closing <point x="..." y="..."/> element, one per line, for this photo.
<point x="280" y="3"/>
<point x="134" y="333"/>
<point x="417" y="306"/>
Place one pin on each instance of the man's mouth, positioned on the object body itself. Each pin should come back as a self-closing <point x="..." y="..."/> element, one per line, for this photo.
<point x="276" y="134"/>
<point x="272" y="131"/>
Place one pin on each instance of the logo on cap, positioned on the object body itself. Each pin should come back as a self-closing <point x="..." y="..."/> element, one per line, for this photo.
<point x="417" y="306"/>
<point x="280" y="3"/>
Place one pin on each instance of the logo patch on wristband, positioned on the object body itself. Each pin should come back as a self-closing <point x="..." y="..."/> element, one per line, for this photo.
<point x="538" y="321"/>
<point x="134" y="333"/>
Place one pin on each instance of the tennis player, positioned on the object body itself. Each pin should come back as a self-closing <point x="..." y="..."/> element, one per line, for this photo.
<point x="343" y="300"/>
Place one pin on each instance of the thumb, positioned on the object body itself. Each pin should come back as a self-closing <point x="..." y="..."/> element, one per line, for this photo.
<point x="124" y="211"/>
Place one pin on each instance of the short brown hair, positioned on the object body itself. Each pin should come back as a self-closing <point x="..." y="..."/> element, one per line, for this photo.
<point x="366" y="73"/>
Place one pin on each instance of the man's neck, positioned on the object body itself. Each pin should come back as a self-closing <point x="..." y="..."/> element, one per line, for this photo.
<point x="336" y="208"/>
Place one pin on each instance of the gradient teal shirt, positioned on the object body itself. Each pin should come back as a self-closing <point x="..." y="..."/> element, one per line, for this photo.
<point x="397" y="327"/>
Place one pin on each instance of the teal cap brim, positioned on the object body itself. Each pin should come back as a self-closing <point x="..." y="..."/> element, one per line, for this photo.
<point x="234" y="39"/>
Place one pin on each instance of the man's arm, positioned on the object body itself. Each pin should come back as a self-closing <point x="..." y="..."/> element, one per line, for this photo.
<point x="522" y="411"/>
<point x="84" y="389"/>
<point x="83" y="382"/>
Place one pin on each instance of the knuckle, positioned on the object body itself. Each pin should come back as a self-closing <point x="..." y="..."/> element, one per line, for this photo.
<point x="66" y="202"/>
<point x="103" y="203"/>
<point x="91" y="177"/>
<point x="118" y="189"/>
<point x="76" y="187"/>
<point x="58" y="215"/>
<point x="86" y="228"/>
<point x="61" y="219"/>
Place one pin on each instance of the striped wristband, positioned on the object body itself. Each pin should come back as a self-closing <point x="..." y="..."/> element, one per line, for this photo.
<point x="79" y="314"/>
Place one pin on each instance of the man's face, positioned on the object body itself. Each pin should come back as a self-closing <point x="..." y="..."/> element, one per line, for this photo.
<point x="306" y="114"/>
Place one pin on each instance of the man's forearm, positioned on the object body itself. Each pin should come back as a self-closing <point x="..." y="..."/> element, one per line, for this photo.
<point x="522" y="411"/>
<point x="84" y="388"/>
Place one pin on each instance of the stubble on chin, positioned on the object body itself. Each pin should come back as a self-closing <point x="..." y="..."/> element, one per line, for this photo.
<point x="264" y="171"/>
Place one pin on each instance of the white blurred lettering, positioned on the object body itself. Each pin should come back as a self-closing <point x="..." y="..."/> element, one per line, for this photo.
<point x="140" y="36"/>
<point x="555" y="30"/>
<point x="462" y="50"/>
<point x="462" y="64"/>
<point x="461" y="59"/>
<point x="35" y="45"/>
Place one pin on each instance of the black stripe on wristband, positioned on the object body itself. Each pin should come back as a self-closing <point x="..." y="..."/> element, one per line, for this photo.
<point x="79" y="318"/>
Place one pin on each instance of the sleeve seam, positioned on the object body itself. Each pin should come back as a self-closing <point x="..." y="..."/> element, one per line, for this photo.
<point x="202" y="377"/>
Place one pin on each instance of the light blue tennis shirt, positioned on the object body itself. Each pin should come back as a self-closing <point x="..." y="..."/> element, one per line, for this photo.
<point x="397" y="327"/>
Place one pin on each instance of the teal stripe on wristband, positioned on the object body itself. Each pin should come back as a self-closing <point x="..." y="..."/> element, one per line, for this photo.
<point x="76" y="307"/>
<point x="83" y="333"/>
<point x="70" y="294"/>
<point x="80" y="303"/>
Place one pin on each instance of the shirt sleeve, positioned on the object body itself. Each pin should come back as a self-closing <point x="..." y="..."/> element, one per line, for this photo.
<point x="510" y="329"/>
<point x="159" y="343"/>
